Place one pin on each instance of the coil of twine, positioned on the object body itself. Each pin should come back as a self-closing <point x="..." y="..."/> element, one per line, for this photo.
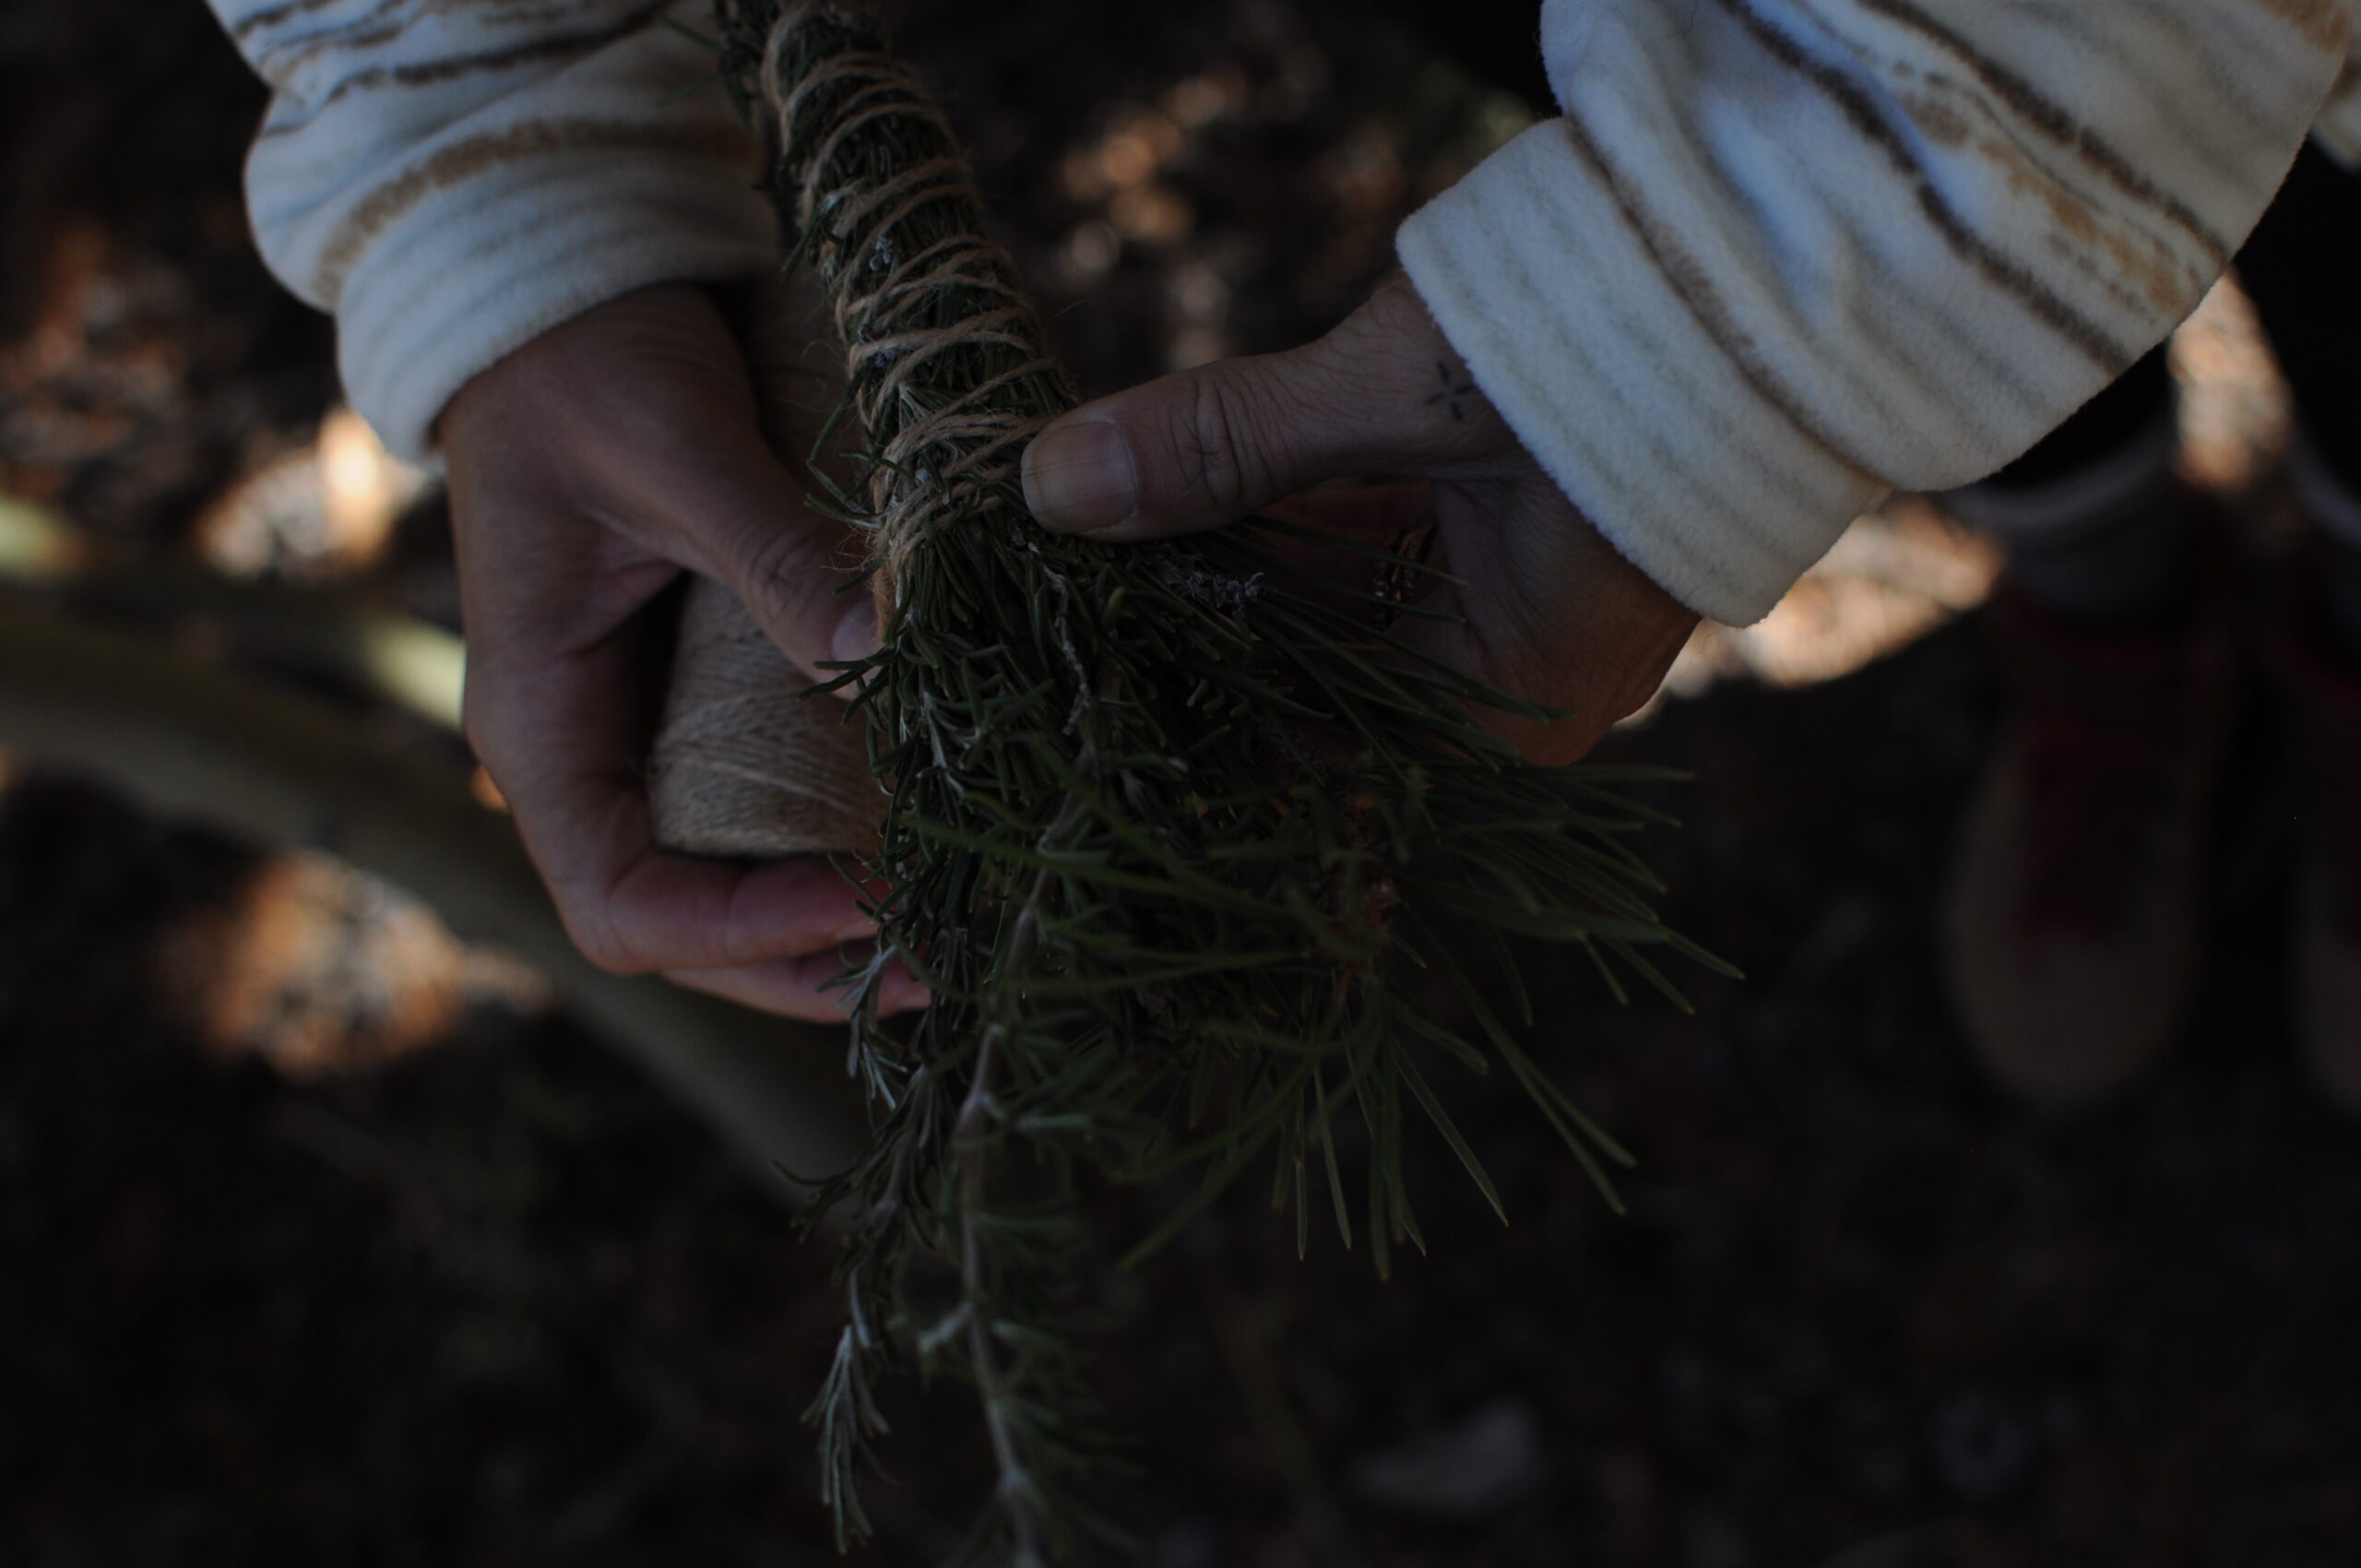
<point x="907" y="285"/>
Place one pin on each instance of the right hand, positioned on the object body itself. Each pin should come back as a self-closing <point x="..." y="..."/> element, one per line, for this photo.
<point x="1545" y="608"/>
<point x="588" y="469"/>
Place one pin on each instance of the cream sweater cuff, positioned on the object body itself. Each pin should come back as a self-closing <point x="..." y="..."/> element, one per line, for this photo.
<point x="490" y="264"/>
<point x="1569" y="324"/>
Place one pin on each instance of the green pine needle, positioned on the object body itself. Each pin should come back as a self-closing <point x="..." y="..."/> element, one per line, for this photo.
<point x="1156" y="821"/>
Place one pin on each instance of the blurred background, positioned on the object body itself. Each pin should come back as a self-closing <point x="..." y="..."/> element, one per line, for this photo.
<point x="326" y="1236"/>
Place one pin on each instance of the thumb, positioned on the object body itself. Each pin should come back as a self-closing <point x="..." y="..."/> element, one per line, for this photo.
<point x="1205" y="447"/>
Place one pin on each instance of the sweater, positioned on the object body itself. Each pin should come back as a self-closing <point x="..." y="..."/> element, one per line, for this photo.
<point x="451" y="178"/>
<point x="1774" y="258"/>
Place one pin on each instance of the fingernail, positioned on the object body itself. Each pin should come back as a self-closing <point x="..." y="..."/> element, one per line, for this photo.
<point x="860" y="929"/>
<point x="856" y="635"/>
<point x="1080" y="478"/>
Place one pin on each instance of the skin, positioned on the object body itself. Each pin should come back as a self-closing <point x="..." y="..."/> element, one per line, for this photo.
<point x="1549" y="612"/>
<point x="589" y="470"/>
<point x="592" y="466"/>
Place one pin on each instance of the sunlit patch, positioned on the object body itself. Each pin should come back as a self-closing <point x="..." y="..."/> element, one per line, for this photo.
<point x="1198" y="298"/>
<point x="1152" y="215"/>
<point x="1199" y="292"/>
<point x="1122" y="169"/>
<point x="323" y="510"/>
<point x="1193" y="346"/>
<point x="1138" y="142"/>
<point x="419" y="665"/>
<point x="93" y="388"/>
<point x="1091" y="252"/>
<point x="1898" y="573"/>
<point x="35" y="544"/>
<point x="486" y="792"/>
<point x="320" y="969"/>
<point x="1132" y="155"/>
<point x="2236" y="416"/>
<point x="1199" y="101"/>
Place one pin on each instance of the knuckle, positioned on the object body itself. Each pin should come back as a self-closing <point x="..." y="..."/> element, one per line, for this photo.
<point x="1224" y="453"/>
<point x="783" y="571"/>
<point x="598" y="942"/>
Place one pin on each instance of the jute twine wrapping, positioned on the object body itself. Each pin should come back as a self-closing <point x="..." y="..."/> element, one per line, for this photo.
<point x="935" y="329"/>
<point x="745" y="765"/>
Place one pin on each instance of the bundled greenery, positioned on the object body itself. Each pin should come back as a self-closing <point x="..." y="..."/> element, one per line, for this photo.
<point x="1167" y="824"/>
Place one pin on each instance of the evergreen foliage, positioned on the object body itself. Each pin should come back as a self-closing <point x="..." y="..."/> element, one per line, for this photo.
<point x="1168" y="826"/>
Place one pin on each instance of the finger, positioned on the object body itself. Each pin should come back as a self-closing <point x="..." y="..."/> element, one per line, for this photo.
<point x="1384" y="393"/>
<point x="802" y="988"/>
<point x="797" y="572"/>
<point x="676" y="459"/>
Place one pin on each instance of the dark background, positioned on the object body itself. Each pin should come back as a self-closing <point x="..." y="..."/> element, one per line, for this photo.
<point x="382" y="1262"/>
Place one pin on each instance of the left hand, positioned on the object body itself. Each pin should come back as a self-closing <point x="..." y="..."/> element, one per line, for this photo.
<point x="588" y="469"/>
<point x="1549" y="612"/>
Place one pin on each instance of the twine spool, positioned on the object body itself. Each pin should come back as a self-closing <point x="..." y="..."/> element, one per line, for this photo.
<point x="745" y="765"/>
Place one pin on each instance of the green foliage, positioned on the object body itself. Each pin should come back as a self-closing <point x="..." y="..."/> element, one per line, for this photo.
<point x="1169" y="824"/>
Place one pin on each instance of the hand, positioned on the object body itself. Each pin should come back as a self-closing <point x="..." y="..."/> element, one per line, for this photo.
<point x="1549" y="612"/>
<point x="589" y="468"/>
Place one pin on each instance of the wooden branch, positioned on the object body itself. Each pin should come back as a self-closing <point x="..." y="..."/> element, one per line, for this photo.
<point x="192" y="739"/>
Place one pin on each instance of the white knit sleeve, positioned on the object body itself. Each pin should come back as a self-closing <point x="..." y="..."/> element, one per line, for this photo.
<point x="1781" y="255"/>
<point x="2339" y="128"/>
<point x="451" y="178"/>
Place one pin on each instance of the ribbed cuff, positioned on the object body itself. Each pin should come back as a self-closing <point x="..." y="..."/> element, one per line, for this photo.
<point x="481" y="268"/>
<point x="1569" y="324"/>
<point x="2338" y="130"/>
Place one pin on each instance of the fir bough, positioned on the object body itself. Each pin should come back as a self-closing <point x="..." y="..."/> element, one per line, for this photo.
<point x="1166" y="822"/>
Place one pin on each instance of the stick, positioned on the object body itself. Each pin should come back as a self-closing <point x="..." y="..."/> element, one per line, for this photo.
<point x="192" y="741"/>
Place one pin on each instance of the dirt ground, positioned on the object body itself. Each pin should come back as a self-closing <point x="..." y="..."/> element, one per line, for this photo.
<point x="370" y="1271"/>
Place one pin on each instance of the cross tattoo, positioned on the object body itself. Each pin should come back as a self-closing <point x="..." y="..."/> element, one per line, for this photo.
<point x="1455" y="387"/>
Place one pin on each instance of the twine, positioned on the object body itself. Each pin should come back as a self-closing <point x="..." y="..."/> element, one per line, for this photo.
<point x="745" y="764"/>
<point x="915" y="318"/>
